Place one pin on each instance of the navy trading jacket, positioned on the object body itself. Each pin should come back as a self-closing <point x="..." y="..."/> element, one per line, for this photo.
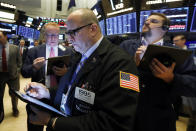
<point x="114" y="106"/>
<point x="155" y="109"/>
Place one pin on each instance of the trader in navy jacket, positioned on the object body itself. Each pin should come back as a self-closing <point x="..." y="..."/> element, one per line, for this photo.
<point x="160" y="85"/>
<point x="99" y="92"/>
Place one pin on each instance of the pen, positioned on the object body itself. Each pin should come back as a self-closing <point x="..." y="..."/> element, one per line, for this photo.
<point x="29" y="88"/>
<point x="32" y="87"/>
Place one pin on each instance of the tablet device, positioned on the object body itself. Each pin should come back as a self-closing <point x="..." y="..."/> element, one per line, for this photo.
<point x="58" y="61"/>
<point x="31" y="100"/>
<point x="165" y="54"/>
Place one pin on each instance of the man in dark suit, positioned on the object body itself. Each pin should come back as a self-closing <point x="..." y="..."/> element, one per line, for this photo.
<point x="99" y="91"/>
<point x="35" y="65"/>
<point x="23" y="49"/>
<point x="10" y="64"/>
<point x="161" y="84"/>
<point x="35" y="62"/>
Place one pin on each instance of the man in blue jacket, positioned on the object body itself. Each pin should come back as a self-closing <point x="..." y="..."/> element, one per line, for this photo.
<point x="161" y="84"/>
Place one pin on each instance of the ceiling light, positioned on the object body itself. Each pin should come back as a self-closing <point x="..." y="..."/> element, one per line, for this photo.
<point x="6" y="15"/>
<point x="120" y="11"/>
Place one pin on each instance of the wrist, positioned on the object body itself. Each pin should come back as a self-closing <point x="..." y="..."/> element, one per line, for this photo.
<point x="169" y="79"/>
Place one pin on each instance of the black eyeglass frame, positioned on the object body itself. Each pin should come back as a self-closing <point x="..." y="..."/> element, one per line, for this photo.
<point x="155" y="21"/>
<point x="73" y="32"/>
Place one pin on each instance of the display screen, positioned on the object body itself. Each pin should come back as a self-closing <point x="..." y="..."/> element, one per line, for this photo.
<point x="26" y="32"/>
<point x="121" y="24"/>
<point x="61" y="37"/>
<point x="9" y="28"/>
<point x="60" y="22"/>
<point x="29" y="21"/>
<point x="36" y="34"/>
<point x="98" y="10"/>
<point x="22" y="30"/>
<point x="29" y="33"/>
<point x="191" y="44"/>
<point x="193" y="23"/>
<point x="102" y="26"/>
<point x="178" y="18"/>
<point x="114" y="6"/>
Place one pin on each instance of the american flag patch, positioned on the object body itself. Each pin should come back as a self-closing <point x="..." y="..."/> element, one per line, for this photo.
<point x="129" y="81"/>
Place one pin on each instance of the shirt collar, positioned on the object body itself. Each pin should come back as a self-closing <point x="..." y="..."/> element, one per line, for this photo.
<point x="49" y="47"/>
<point x="160" y="42"/>
<point x="92" y="49"/>
<point x="184" y="47"/>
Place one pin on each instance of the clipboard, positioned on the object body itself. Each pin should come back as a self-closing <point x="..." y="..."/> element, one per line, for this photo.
<point x="58" y="61"/>
<point x="156" y="51"/>
<point x="34" y="101"/>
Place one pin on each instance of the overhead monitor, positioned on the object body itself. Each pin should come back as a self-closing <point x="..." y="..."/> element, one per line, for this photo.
<point x="29" y="21"/>
<point x="117" y="7"/>
<point x="160" y="4"/>
<point x="178" y="18"/>
<point x="61" y="36"/>
<point x="60" y="22"/>
<point x="29" y="33"/>
<point x="9" y="28"/>
<point x="22" y="31"/>
<point x="193" y="23"/>
<point x="36" y="34"/>
<point x="121" y="24"/>
<point x="98" y="10"/>
<point x="102" y="26"/>
<point x="26" y="32"/>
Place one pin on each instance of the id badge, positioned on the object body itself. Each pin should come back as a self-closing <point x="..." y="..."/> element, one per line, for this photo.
<point x="84" y="95"/>
<point x="63" y="101"/>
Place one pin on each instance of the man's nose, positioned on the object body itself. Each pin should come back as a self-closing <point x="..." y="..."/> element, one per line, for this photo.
<point x="147" y="22"/>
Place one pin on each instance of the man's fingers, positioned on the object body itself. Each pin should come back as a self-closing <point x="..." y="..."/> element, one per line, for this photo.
<point x="173" y="65"/>
<point x="156" y="68"/>
<point x="159" y="64"/>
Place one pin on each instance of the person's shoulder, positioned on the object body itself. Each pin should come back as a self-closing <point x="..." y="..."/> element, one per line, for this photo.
<point x="130" y="42"/>
<point x="13" y="46"/>
<point x="117" y="53"/>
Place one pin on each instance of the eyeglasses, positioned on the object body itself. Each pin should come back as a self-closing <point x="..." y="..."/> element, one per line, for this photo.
<point x="155" y="21"/>
<point x="176" y="40"/>
<point x="73" y="32"/>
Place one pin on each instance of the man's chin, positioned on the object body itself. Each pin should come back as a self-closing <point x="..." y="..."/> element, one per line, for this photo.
<point x="146" y="33"/>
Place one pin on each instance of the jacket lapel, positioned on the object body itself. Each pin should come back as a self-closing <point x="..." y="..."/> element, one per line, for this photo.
<point x="91" y="63"/>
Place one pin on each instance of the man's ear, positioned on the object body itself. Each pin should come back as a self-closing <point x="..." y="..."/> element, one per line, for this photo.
<point x="94" y="29"/>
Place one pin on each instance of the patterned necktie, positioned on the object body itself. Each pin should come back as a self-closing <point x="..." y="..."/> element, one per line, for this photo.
<point x="4" y="62"/>
<point x="53" y="81"/>
<point x="80" y="65"/>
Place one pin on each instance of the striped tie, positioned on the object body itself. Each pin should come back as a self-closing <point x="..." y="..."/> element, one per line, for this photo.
<point x="80" y="65"/>
<point x="53" y="81"/>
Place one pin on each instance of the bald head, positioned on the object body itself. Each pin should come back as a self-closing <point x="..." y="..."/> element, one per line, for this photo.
<point x="83" y="16"/>
<point x="83" y="29"/>
<point x="22" y="42"/>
